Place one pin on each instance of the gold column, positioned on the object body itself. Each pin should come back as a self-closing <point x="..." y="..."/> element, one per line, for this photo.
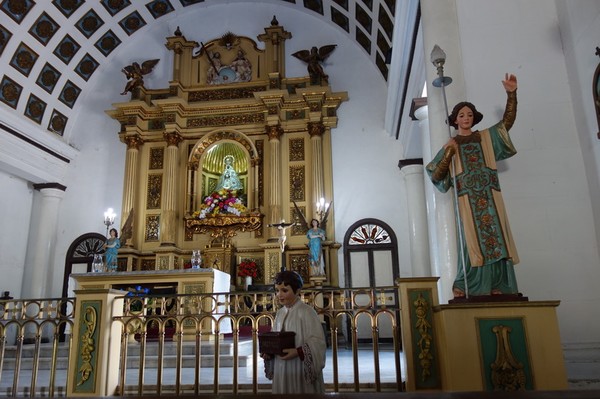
<point x="274" y="133"/>
<point x="168" y="226"/>
<point x="131" y="177"/>
<point x="316" y="130"/>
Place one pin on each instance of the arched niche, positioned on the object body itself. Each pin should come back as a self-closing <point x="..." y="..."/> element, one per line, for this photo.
<point x="205" y="165"/>
<point x="222" y="227"/>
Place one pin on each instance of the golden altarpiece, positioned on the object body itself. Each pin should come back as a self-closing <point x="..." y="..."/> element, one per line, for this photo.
<point x="229" y="107"/>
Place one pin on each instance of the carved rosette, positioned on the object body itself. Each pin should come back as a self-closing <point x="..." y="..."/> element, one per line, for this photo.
<point x="224" y="226"/>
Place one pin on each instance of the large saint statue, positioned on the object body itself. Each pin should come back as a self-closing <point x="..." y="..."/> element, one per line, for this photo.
<point x="468" y="161"/>
<point x="229" y="179"/>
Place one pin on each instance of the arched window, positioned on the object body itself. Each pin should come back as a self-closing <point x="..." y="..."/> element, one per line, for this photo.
<point x="370" y="254"/>
<point x="81" y="252"/>
<point x="371" y="260"/>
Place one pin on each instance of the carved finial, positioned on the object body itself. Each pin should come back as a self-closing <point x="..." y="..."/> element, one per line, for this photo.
<point x="598" y="51"/>
<point x="274" y="21"/>
<point x="177" y="32"/>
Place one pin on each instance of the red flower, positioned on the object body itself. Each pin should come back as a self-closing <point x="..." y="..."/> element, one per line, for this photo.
<point x="247" y="268"/>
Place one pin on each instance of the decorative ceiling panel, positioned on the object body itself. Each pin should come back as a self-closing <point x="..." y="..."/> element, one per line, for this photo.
<point x="35" y="109"/>
<point x="44" y="28"/>
<point x="69" y="94"/>
<point x="107" y="43"/>
<point x="114" y="6"/>
<point x="159" y="8"/>
<point x="17" y="10"/>
<point x="132" y="23"/>
<point x="5" y="36"/>
<point x="89" y="23"/>
<point x="66" y="49"/>
<point x="57" y="123"/>
<point x="10" y="92"/>
<point x="48" y="78"/>
<point x="24" y="59"/>
<point x="67" y="7"/>
<point x="86" y="67"/>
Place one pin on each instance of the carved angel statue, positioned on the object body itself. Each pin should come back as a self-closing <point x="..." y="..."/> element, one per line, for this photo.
<point x="313" y="58"/>
<point x="135" y="73"/>
<point x="315" y="234"/>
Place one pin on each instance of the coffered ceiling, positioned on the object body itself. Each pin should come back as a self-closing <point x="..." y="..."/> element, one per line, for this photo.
<point x="49" y="49"/>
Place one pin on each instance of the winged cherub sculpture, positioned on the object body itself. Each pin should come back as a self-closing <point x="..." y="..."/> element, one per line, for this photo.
<point x="313" y="58"/>
<point x="135" y="73"/>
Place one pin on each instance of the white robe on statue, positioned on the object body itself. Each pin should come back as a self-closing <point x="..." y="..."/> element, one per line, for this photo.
<point x="297" y="375"/>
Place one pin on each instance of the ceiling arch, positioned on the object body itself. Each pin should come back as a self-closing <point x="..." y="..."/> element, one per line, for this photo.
<point x="49" y="50"/>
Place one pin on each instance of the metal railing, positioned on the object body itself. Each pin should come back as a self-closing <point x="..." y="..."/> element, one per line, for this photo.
<point x="220" y="331"/>
<point x="34" y="339"/>
<point x="201" y="343"/>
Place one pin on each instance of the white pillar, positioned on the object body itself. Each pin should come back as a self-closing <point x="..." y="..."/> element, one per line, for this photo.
<point x="440" y="26"/>
<point x="412" y="171"/>
<point x="40" y="248"/>
<point x="39" y="260"/>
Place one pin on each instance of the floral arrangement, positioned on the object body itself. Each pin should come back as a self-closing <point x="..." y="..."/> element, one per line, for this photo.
<point x="222" y="201"/>
<point x="247" y="268"/>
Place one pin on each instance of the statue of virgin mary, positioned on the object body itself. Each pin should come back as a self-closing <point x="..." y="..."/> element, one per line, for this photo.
<point x="229" y="179"/>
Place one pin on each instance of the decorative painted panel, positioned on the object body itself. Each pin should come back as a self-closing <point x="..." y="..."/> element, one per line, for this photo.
<point x="156" y="158"/>
<point x="153" y="198"/>
<point x="297" y="183"/>
<point x="152" y="226"/>
<point x="296" y="150"/>
<point x="86" y="371"/>
<point x="504" y="356"/>
<point x="427" y="374"/>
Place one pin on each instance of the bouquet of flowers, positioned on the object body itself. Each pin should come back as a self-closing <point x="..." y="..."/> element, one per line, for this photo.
<point x="222" y="201"/>
<point x="247" y="268"/>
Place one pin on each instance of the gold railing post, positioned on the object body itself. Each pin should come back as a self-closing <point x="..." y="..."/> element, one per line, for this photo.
<point x="94" y="365"/>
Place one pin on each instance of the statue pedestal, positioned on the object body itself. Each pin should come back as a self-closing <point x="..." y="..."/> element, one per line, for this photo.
<point x="317" y="281"/>
<point x="499" y="346"/>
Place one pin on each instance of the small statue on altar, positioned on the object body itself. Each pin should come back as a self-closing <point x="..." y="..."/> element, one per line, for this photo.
<point x="113" y="243"/>
<point x="229" y="179"/>
<point x="315" y="236"/>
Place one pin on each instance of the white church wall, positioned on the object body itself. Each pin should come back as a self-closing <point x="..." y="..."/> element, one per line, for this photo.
<point x="580" y="28"/>
<point x="367" y="182"/>
<point x="544" y="184"/>
<point x="15" y="203"/>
